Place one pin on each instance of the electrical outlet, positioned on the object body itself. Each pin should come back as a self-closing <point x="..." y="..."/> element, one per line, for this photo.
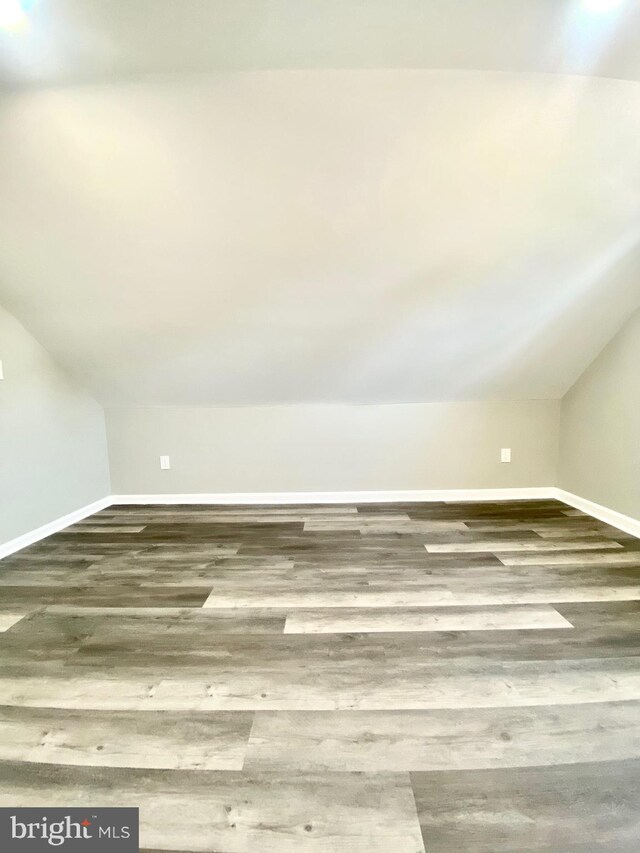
<point x="165" y="463"/>
<point x="1" y="371"/>
<point x="505" y="454"/>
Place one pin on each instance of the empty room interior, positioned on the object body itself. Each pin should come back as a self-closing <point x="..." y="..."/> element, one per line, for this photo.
<point x="320" y="426"/>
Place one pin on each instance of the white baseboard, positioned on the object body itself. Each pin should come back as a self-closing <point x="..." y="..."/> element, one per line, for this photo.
<point x="395" y="496"/>
<point x="609" y="516"/>
<point x="21" y="542"/>
<point x="603" y="513"/>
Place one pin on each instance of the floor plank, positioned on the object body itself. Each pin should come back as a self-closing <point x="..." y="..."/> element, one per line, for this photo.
<point x="8" y="618"/>
<point x="531" y="808"/>
<point x="236" y="812"/>
<point x="343" y="620"/>
<point x="457" y="739"/>
<point x="499" y="546"/>
<point x="211" y="741"/>
<point x="334" y="686"/>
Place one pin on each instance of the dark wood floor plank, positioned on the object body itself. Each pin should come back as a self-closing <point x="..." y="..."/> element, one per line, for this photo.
<point x="134" y="643"/>
<point x="530" y="808"/>
<point x="105" y="596"/>
<point x="616" y="615"/>
<point x="159" y="621"/>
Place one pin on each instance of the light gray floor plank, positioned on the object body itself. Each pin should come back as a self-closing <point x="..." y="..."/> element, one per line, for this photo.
<point x="336" y="620"/>
<point x="610" y="559"/>
<point x="236" y="812"/>
<point x="454" y="739"/>
<point x="8" y="618"/>
<point x="309" y="686"/>
<point x="414" y="596"/>
<point x="496" y="546"/>
<point x="215" y="741"/>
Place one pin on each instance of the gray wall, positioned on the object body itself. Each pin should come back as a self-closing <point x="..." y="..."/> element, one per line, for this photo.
<point x="600" y="427"/>
<point x="53" y="447"/>
<point x="53" y="456"/>
<point x="333" y="447"/>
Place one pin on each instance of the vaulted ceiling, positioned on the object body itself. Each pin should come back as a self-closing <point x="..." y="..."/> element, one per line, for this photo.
<point x="235" y="201"/>
<point x="92" y="40"/>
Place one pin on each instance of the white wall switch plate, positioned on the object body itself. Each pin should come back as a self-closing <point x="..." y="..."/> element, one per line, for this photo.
<point x="505" y="454"/>
<point x="1" y="371"/>
<point x="165" y="463"/>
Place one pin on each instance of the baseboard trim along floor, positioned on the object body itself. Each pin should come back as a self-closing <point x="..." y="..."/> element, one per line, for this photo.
<point x="54" y="526"/>
<point x="609" y="516"/>
<point x="349" y="497"/>
<point x="602" y="513"/>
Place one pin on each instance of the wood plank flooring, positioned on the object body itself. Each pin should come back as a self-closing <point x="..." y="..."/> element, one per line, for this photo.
<point x="397" y="678"/>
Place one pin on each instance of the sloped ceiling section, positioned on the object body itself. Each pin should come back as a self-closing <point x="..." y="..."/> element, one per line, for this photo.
<point x="284" y="236"/>
<point x="92" y="40"/>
